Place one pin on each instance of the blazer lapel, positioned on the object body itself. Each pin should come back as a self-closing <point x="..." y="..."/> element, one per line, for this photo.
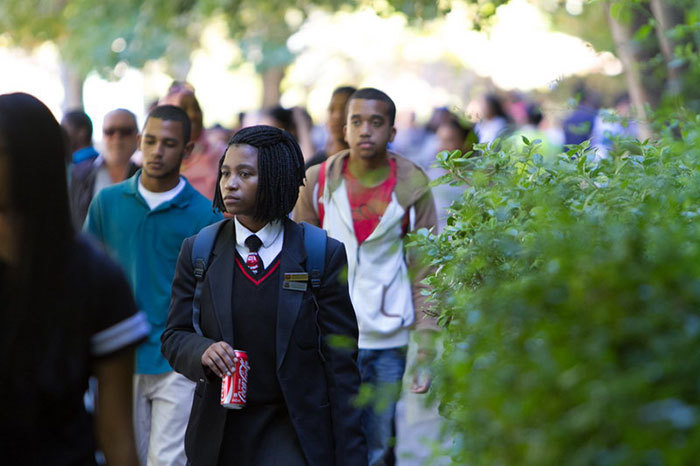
<point x="220" y="278"/>
<point x="291" y="259"/>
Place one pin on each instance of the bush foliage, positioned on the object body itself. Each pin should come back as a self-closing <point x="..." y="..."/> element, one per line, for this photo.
<point x="570" y="292"/>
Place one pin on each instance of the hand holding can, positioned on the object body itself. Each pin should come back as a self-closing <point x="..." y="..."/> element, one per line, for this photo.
<point x="219" y="358"/>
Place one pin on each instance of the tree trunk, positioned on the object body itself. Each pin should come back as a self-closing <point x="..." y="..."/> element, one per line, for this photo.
<point x="178" y="59"/>
<point x="628" y="55"/>
<point x="272" y="79"/>
<point x="73" y="88"/>
<point x="666" y="19"/>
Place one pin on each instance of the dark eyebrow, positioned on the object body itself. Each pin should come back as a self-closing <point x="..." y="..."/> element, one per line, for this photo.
<point x="153" y="136"/>
<point x="239" y="166"/>
<point x="374" y="115"/>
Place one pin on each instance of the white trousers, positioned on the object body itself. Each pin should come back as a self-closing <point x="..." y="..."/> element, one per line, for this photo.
<point x="162" y="404"/>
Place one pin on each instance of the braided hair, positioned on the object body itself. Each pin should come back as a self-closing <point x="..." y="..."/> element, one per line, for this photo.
<point x="280" y="171"/>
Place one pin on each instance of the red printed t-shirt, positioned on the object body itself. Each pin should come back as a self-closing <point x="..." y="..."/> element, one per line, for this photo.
<point x="368" y="204"/>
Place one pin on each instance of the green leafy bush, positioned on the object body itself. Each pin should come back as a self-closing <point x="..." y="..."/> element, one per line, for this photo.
<point x="570" y="292"/>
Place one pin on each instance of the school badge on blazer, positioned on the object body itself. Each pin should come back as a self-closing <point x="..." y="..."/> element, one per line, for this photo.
<point x="297" y="281"/>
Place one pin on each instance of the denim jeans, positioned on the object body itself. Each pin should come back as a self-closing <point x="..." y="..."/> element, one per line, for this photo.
<point x="383" y="370"/>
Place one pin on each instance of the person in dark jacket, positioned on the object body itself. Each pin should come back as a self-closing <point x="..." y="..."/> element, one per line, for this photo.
<point x="301" y="386"/>
<point x="114" y="165"/>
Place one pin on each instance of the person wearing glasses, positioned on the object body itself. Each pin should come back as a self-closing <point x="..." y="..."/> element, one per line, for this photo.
<point x="120" y="135"/>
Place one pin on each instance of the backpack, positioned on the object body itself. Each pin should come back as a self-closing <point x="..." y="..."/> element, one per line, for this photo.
<point x="314" y="243"/>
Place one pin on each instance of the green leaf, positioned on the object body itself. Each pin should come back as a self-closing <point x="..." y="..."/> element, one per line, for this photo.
<point x="643" y="32"/>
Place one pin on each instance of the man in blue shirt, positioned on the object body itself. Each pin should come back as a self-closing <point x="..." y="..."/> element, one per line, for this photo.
<point x="143" y="222"/>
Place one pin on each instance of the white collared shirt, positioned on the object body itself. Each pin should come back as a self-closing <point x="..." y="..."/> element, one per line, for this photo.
<point x="155" y="199"/>
<point x="271" y="235"/>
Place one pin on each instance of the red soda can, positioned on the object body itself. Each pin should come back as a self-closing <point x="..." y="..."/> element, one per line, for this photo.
<point x="234" y="387"/>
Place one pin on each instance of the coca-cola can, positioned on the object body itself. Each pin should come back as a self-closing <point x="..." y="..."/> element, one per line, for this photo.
<point x="234" y="387"/>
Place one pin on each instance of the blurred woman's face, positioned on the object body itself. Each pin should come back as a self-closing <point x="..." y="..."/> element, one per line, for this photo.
<point x="449" y="138"/>
<point x="8" y="245"/>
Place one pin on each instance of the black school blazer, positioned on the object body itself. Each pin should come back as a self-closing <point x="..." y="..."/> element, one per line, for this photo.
<point x="318" y="385"/>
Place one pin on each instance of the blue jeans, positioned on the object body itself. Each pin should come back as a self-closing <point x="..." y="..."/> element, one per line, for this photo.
<point x="383" y="370"/>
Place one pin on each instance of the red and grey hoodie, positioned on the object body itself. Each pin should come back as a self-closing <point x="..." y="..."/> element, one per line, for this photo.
<point x="384" y="282"/>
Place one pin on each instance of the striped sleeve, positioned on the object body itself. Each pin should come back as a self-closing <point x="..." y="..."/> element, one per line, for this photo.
<point x="120" y="335"/>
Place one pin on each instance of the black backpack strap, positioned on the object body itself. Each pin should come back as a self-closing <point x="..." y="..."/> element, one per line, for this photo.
<point x="201" y="250"/>
<point x="315" y="245"/>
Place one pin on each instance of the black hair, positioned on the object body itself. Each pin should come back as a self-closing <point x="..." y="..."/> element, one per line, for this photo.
<point x="34" y="150"/>
<point x="280" y="171"/>
<point x="463" y="128"/>
<point x="371" y="93"/>
<point x="172" y="113"/>
<point x="79" y="119"/>
<point x="622" y="98"/>
<point x="494" y="102"/>
<point x="283" y="116"/>
<point x="534" y="113"/>
<point x="346" y="90"/>
<point x="439" y="116"/>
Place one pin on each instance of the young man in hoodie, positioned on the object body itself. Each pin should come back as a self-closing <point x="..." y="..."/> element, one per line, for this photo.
<point x="369" y="198"/>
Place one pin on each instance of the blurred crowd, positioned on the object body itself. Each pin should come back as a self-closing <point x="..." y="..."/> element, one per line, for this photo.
<point x="500" y="118"/>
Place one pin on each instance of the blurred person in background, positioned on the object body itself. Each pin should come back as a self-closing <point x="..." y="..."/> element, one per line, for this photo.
<point x="78" y="125"/>
<point x="493" y="121"/>
<point x="409" y="135"/>
<point x="218" y="135"/>
<point x="515" y="105"/>
<point x="454" y="133"/>
<point x="279" y="117"/>
<point x="335" y="122"/>
<point x="532" y="131"/>
<point x="578" y="126"/>
<point x="427" y="141"/>
<point x="67" y="309"/>
<point x="551" y="125"/>
<point x="613" y="123"/>
<point x="143" y="221"/>
<point x="201" y="166"/>
<point x="296" y="121"/>
<point x="120" y="134"/>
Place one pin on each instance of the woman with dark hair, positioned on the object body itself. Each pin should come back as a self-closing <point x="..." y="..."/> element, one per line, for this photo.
<point x="67" y="310"/>
<point x="300" y="386"/>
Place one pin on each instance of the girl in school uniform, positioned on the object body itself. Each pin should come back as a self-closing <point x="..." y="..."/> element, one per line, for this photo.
<point x="300" y="386"/>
